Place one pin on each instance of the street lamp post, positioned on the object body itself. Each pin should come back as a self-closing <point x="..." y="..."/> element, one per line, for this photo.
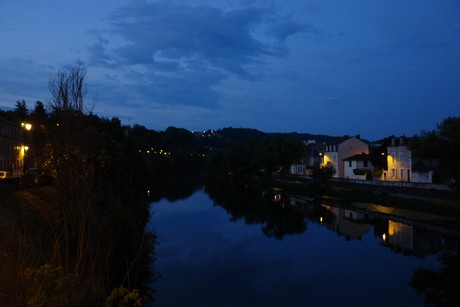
<point x="27" y="127"/>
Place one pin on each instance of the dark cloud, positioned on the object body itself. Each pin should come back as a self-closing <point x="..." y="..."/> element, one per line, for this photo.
<point x="135" y="54"/>
<point x="284" y="30"/>
<point x="222" y="38"/>
<point x="98" y="52"/>
<point x="186" y="50"/>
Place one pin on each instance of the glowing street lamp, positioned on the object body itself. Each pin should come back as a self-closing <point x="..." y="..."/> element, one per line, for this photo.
<point x="27" y="126"/>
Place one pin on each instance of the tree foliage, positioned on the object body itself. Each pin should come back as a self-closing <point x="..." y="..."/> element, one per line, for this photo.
<point x="443" y="145"/>
<point x="269" y="155"/>
<point x="92" y="234"/>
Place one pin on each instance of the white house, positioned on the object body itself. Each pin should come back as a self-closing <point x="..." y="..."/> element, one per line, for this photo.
<point x="399" y="162"/>
<point x="330" y="157"/>
<point x="355" y="166"/>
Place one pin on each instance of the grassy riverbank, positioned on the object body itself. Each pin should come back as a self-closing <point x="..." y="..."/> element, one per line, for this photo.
<point x="38" y="265"/>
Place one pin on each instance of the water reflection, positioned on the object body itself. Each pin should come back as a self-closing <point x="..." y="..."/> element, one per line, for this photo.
<point x="395" y="247"/>
<point x="272" y="209"/>
<point x="282" y="213"/>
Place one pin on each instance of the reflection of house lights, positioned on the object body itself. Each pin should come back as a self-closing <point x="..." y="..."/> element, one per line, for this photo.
<point x="320" y="219"/>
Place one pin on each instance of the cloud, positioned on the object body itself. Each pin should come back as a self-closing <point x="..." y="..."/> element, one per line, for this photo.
<point x="185" y="50"/>
<point x="98" y="52"/>
<point x="284" y="30"/>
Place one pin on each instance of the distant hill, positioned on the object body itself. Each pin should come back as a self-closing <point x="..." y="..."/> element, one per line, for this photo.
<point x="239" y="134"/>
<point x="236" y="135"/>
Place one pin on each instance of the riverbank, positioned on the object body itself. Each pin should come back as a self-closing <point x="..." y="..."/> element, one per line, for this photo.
<point x="40" y="244"/>
<point x="443" y="203"/>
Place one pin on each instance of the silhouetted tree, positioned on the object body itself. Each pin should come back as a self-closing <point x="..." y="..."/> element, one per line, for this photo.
<point x="443" y="145"/>
<point x="20" y="110"/>
<point x="68" y="89"/>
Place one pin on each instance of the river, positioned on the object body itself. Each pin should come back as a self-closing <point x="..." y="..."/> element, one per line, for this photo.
<point x="290" y="253"/>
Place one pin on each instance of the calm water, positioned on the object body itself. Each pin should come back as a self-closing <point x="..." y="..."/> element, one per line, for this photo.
<point x="332" y="257"/>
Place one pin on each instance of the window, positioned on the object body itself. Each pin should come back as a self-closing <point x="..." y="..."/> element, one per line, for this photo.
<point x="402" y="173"/>
<point x="393" y="172"/>
<point x="365" y="163"/>
<point x="349" y="163"/>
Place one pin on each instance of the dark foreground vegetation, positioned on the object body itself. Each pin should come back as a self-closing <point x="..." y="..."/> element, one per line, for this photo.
<point x="81" y="239"/>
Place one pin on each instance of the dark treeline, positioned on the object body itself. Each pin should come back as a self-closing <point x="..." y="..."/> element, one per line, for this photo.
<point x="441" y="145"/>
<point x="265" y="156"/>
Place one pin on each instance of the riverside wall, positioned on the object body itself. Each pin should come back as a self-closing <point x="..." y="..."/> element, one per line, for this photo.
<point x="399" y="184"/>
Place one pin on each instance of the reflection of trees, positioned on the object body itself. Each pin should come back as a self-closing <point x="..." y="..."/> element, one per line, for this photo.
<point x="183" y="178"/>
<point x="274" y="213"/>
<point x="441" y="287"/>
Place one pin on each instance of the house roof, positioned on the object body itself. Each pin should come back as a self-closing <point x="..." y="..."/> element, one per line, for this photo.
<point x="359" y="157"/>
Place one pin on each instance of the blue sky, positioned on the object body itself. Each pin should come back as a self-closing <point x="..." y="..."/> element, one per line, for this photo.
<point x="329" y="67"/>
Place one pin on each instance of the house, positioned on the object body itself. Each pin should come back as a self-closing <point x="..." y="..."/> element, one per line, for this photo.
<point x="422" y="172"/>
<point x="12" y="148"/>
<point x="310" y="160"/>
<point x="358" y="167"/>
<point x="335" y="154"/>
<point x="298" y="169"/>
<point x="399" y="162"/>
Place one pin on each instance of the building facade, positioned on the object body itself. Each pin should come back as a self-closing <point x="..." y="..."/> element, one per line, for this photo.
<point x="361" y="162"/>
<point x="399" y="162"/>
<point x="331" y="158"/>
<point x="12" y="148"/>
<point x="334" y="155"/>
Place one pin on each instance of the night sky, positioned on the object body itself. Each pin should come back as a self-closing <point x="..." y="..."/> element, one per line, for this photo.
<point x="335" y="67"/>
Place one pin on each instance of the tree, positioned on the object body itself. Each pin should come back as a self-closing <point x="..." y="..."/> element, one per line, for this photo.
<point x="323" y="174"/>
<point x="443" y="145"/>
<point x="449" y="133"/>
<point x="21" y="109"/>
<point x="68" y="89"/>
<point x="39" y="111"/>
